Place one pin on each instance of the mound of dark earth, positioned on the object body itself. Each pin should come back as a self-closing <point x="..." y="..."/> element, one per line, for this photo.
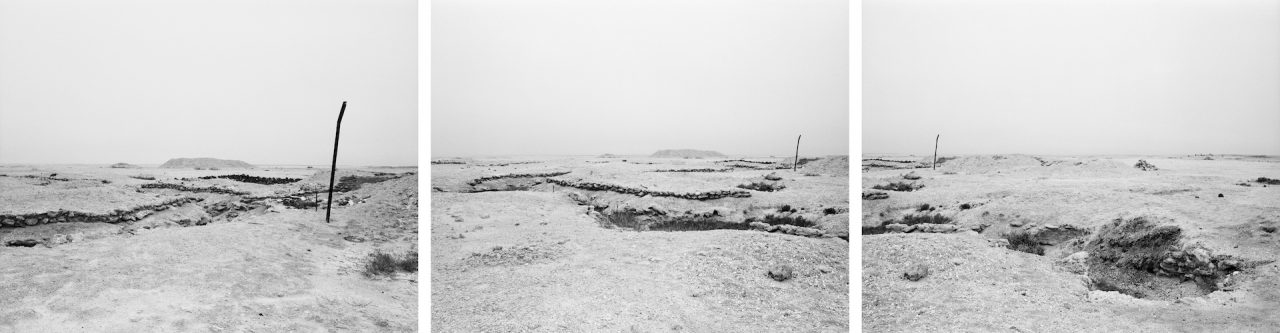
<point x="204" y="162"/>
<point x="686" y="153"/>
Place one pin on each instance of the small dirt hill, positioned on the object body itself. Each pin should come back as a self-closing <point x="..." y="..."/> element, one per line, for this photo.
<point x="204" y="162"/>
<point x="830" y="165"/>
<point x="686" y="153"/>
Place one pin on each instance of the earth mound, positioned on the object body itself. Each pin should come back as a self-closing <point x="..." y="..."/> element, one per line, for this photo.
<point x="204" y="162"/>
<point x="988" y="163"/>
<point x="687" y="153"/>
<point x="830" y="165"/>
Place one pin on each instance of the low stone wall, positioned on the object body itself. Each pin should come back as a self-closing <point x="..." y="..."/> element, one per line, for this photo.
<point x="693" y="170"/>
<point x="193" y="189"/>
<point x="477" y="181"/>
<point x="117" y="216"/>
<point x="639" y="192"/>
<point x="255" y="179"/>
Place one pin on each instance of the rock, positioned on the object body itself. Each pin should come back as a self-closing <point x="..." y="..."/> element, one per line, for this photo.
<point x="1269" y="228"/>
<point x="1077" y="263"/>
<point x="957" y="261"/>
<point x="800" y="231"/>
<point x="941" y="228"/>
<point x="824" y="268"/>
<point x="758" y="225"/>
<point x="916" y="272"/>
<point x="354" y="239"/>
<point x="57" y="239"/>
<point x="773" y="176"/>
<point x="32" y="221"/>
<point x="896" y="227"/>
<point x="1220" y="195"/>
<point x="780" y="272"/>
<point x="1015" y="224"/>
<point x="998" y="242"/>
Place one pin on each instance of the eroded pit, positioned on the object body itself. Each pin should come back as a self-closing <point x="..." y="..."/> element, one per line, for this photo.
<point x="1144" y="259"/>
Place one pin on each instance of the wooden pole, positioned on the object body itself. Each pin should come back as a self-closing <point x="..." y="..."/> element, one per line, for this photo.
<point x="935" y="151"/>
<point x="333" y="168"/>
<point x="796" y="164"/>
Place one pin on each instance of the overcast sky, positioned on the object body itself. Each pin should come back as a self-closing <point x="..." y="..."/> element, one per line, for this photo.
<point x="741" y="77"/>
<point x="87" y="81"/>
<point x="1071" y="76"/>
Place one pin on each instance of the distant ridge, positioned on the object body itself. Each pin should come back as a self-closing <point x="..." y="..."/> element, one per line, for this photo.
<point x="205" y="163"/>
<point x="687" y="153"/>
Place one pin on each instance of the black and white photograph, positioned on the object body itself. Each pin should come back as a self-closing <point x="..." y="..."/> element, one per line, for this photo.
<point x="209" y="166"/>
<point x="1070" y="166"/>
<point x="640" y="166"/>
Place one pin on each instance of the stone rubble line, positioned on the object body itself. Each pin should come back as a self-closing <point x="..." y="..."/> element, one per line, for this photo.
<point x="754" y="167"/>
<point x="193" y="189"/>
<point x="884" y="160"/>
<point x="117" y="216"/>
<point x="477" y="181"/>
<point x="760" y="162"/>
<point x="638" y="192"/>
<point x="693" y="170"/>
<point x="256" y="180"/>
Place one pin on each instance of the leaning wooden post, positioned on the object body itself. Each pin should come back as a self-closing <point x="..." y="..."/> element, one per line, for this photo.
<point x="333" y="168"/>
<point x="795" y="164"/>
<point x="935" y="152"/>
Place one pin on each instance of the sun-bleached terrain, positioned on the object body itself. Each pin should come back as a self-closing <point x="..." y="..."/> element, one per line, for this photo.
<point x="1019" y="243"/>
<point x="639" y="244"/>
<point x="126" y="248"/>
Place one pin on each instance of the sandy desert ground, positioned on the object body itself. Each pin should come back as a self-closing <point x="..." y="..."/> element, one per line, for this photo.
<point x="1188" y="247"/>
<point x="89" y="248"/>
<point x="624" y="244"/>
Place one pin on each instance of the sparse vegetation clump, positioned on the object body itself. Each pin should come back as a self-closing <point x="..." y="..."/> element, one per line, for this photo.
<point x="1023" y="241"/>
<point x="795" y="220"/>
<point x="899" y="186"/>
<point x="763" y="186"/>
<point x="830" y="211"/>
<point x="1268" y="181"/>
<point x="383" y="263"/>
<point x="912" y="219"/>
<point x="965" y="206"/>
<point x="924" y="207"/>
<point x="875" y="196"/>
